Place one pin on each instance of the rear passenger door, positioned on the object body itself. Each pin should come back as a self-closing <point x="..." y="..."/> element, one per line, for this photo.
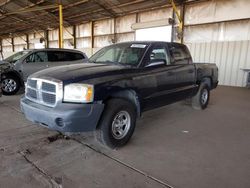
<point x="183" y="69"/>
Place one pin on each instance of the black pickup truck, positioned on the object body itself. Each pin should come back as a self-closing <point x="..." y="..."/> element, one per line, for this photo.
<point x="110" y="92"/>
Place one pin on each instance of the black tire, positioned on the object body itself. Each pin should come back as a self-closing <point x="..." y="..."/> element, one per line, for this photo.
<point x="10" y="89"/>
<point x="201" y="99"/>
<point x="114" y="110"/>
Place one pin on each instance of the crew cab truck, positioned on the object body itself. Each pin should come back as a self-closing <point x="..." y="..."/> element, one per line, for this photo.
<point x="115" y="87"/>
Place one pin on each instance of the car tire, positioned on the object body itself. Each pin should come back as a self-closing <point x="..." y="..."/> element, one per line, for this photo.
<point x="10" y="85"/>
<point x="201" y="99"/>
<point x="117" y="123"/>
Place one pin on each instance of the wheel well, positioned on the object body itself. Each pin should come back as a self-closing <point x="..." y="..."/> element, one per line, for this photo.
<point x="12" y="73"/>
<point x="208" y="81"/>
<point x="129" y="95"/>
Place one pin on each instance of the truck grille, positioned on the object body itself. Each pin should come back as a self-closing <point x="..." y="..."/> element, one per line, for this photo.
<point x="44" y="92"/>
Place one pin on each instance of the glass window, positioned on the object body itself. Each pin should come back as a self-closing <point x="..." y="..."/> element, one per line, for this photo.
<point x="71" y="56"/>
<point x="37" y="57"/>
<point x="180" y="54"/>
<point x="159" y="54"/>
<point x="125" y="54"/>
<point x="77" y="56"/>
<point x="16" y="56"/>
<point x="57" y="56"/>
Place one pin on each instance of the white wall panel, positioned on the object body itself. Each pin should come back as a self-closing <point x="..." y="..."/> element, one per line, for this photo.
<point x="7" y="48"/>
<point x="53" y="35"/>
<point x="217" y="10"/>
<point x="125" y="37"/>
<point x="229" y="31"/>
<point x="21" y="47"/>
<point x="155" y="15"/>
<point x="102" y="41"/>
<point x="104" y="27"/>
<point x="20" y="40"/>
<point x="67" y="33"/>
<point x="124" y="23"/>
<point x="83" y="30"/>
<point x="230" y="57"/>
<point x="6" y="42"/>
<point x="53" y="44"/>
<point x="83" y="42"/>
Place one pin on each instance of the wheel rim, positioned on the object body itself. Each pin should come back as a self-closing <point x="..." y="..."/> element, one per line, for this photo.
<point x="9" y="85"/>
<point x="204" y="96"/>
<point x="121" y="125"/>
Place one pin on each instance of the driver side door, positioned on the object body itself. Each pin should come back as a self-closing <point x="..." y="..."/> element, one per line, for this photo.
<point x="34" y="63"/>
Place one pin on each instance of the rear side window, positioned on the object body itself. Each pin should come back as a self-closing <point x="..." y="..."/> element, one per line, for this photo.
<point x="76" y="56"/>
<point x="57" y="56"/>
<point x="180" y="54"/>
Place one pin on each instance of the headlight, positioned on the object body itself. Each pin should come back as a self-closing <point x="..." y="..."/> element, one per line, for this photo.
<point x="82" y="93"/>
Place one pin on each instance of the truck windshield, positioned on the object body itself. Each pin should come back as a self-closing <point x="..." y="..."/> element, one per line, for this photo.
<point x="13" y="58"/>
<point x="124" y="54"/>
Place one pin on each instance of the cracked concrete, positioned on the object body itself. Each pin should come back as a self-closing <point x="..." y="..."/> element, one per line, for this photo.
<point x="174" y="146"/>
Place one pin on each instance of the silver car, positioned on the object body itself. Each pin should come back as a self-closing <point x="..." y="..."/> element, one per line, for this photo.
<point x="27" y="62"/>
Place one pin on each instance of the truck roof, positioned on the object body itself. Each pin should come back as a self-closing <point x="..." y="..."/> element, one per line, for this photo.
<point x="149" y="42"/>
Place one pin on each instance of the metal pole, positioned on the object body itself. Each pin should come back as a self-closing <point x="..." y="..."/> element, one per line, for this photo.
<point x="74" y="36"/>
<point x="92" y="36"/>
<point x="27" y="41"/>
<point x="180" y="29"/>
<point x="60" y="26"/>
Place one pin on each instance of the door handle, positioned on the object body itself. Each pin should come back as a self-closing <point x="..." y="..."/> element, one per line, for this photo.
<point x="190" y="71"/>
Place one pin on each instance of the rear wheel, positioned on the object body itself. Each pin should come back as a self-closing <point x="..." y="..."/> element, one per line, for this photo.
<point x="117" y="123"/>
<point x="10" y="85"/>
<point x="201" y="99"/>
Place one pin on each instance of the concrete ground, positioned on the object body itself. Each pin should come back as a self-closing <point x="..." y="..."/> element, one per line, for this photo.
<point x="174" y="146"/>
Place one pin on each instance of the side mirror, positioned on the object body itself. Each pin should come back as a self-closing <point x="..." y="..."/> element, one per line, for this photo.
<point x="155" y="62"/>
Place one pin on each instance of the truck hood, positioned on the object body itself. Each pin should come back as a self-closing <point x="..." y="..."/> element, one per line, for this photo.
<point x="80" y="72"/>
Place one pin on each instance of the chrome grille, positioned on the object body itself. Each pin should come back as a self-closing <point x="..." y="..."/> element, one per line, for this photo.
<point x="44" y="92"/>
<point x="48" y="87"/>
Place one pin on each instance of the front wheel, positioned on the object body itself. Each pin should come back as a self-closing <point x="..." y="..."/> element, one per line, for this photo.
<point x="117" y="123"/>
<point x="201" y="99"/>
<point x="10" y="85"/>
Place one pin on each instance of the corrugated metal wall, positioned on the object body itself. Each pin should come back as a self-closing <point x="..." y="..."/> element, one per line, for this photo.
<point x="231" y="57"/>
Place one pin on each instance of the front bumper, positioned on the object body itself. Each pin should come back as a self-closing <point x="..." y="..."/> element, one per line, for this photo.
<point x="65" y="117"/>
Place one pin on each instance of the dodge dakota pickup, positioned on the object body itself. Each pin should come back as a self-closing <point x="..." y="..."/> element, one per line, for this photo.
<point x="115" y="87"/>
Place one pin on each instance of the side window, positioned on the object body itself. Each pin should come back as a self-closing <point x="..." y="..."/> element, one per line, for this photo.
<point x="56" y="56"/>
<point x="75" y="56"/>
<point x="180" y="54"/>
<point x="37" y="57"/>
<point x="159" y="54"/>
